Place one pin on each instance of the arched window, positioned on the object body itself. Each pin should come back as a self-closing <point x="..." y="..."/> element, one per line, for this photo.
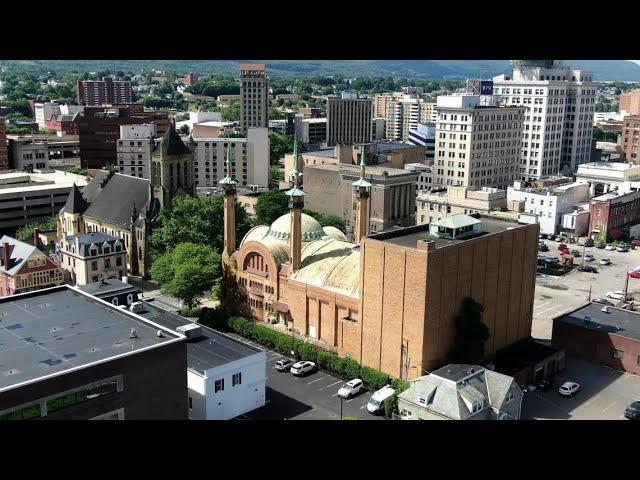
<point x="130" y="299"/>
<point x="115" y="301"/>
<point x="179" y="183"/>
<point x="186" y="175"/>
<point x="171" y="175"/>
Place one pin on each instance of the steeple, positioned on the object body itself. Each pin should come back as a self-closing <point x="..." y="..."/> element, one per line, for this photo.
<point x="228" y="184"/>
<point x="75" y="202"/>
<point x="362" y="194"/>
<point x="296" y="202"/>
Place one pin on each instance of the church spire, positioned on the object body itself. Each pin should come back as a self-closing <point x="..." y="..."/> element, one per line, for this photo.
<point x="296" y="202"/>
<point x="362" y="194"/>
<point x="228" y="184"/>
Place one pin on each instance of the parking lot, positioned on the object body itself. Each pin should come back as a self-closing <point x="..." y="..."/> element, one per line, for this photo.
<point x="556" y="295"/>
<point x="313" y="397"/>
<point x="604" y="394"/>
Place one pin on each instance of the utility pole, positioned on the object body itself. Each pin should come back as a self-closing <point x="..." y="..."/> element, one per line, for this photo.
<point x="626" y="283"/>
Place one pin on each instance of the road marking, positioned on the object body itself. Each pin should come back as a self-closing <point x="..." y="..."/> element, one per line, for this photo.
<point x="612" y="404"/>
<point x="540" y="306"/>
<point x="314" y="381"/>
<point x="363" y="406"/>
<point x="351" y="399"/>
<point x="328" y="386"/>
<point x="548" y="309"/>
<point x="591" y="401"/>
<point x="334" y="395"/>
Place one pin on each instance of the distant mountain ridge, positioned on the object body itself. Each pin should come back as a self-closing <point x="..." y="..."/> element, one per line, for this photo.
<point x="603" y="70"/>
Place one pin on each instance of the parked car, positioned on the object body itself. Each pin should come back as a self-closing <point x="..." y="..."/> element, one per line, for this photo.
<point x="284" y="364"/>
<point x="378" y="399"/>
<point x="632" y="412"/>
<point x="544" y="385"/>
<point x="589" y="258"/>
<point x="589" y="242"/>
<point x="635" y="243"/>
<point x="576" y="253"/>
<point x="569" y="389"/>
<point x="601" y="245"/>
<point x="543" y="247"/>
<point x="588" y="268"/>
<point x="302" y="368"/>
<point x="563" y="246"/>
<point x="603" y="301"/>
<point x="635" y="273"/>
<point x="560" y="239"/>
<point x="605" y="261"/>
<point x="351" y="388"/>
<point x="622" y="249"/>
<point x="618" y="295"/>
<point x="544" y="236"/>
<point x="610" y="247"/>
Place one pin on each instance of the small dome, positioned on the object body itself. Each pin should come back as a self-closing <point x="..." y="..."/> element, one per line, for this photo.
<point x="311" y="229"/>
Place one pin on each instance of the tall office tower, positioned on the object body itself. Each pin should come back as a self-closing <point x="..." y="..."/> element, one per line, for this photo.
<point x="557" y="131"/>
<point x="4" y="154"/>
<point x="406" y="113"/>
<point x="348" y="119"/>
<point x="477" y="145"/>
<point x="254" y="96"/>
<point x="93" y="93"/>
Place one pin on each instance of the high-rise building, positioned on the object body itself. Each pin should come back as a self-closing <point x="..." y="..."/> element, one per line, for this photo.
<point x="630" y="102"/>
<point x="476" y="145"/>
<point x="4" y="155"/>
<point x="98" y="92"/>
<point x="254" y="96"/>
<point x="135" y="147"/>
<point x="557" y="130"/>
<point x="348" y="119"/>
<point x="249" y="159"/>
<point x="425" y="136"/>
<point x="630" y="138"/>
<point x="406" y="113"/>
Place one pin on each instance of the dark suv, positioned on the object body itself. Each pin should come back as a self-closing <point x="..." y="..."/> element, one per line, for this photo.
<point x="632" y="412"/>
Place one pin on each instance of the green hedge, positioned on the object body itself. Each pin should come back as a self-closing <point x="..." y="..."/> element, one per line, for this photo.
<point x="346" y="368"/>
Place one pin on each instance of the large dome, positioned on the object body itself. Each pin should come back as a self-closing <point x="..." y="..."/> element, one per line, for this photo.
<point x="311" y="229"/>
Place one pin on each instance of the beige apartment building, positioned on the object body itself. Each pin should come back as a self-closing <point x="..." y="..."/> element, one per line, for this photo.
<point x="92" y="257"/>
<point x="434" y="206"/>
<point x="254" y="96"/>
<point x="406" y="114"/>
<point x="135" y="148"/>
<point x="630" y="135"/>
<point x="392" y="197"/>
<point x="630" y="102"/>
<point x="477" y="145"/>
<point x="349" y="119"/>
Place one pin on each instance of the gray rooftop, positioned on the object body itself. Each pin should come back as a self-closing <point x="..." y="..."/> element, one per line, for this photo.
<point x="618" y="321"/>
<point x="209" y="351"/>
<point x="50" y="331"/>
<point x="328" y="153"/>
<point x="108" y="286"/>
<point x="409" y="236"/>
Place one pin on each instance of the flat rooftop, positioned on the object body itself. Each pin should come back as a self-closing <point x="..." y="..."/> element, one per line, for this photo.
<point x="14" y="182"/>
<point x="409" y="236"/>
<point x="209" y="351"/>
<point x="457" y="371"/>
<point x="375" y="170"/>
<point x="618" y="166"/>
<point x="621" y="322"/>
<point x="327" y="152"/>
<point x="51" y="331"/>
<point x="105" y="287"/>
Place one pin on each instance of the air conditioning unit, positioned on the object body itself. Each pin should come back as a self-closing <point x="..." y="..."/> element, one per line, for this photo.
<point x="191" y="331"/>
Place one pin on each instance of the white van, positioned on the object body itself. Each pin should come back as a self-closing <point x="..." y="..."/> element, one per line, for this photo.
<point x="379" y="398"/>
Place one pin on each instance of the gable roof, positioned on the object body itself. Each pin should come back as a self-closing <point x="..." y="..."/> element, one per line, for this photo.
<point x="75" y="202"/>
<point x="20" y="252"/>
<point x="172" y="144"/>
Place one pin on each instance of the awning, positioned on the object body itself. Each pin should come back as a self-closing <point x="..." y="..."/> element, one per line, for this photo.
<point x="281" y="307"/>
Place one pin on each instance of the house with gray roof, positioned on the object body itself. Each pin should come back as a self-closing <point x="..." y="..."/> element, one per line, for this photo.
<point x="461" y="392"/>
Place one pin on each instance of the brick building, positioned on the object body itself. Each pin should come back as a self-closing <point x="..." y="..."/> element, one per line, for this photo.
<point x="4" y="154"/>
<point x="630" y="136"/>
<point x="610" y="338"/>
<point x="99" y="131"/>
<point x="612" y="215"/>
<point x="98" y="92"/>
<point x="67" y="124"/>
<point x="188" y="80"/>
<point x="387" y="300"/>
<point x="630" y="102"/>
<point x="25" y="268"/>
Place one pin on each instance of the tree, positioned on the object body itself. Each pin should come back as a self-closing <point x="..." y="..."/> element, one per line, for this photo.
<point x="195" y="220"/>
<point x="184" y="129"/>
<point x="275" y="114"/>
<point x="471" y="333"/>
<point x="187" y="271"/>
<point x="26" y="233"/>
<point x="327" y="220"/>
<point x="279" y="145"/>
<point x="270" y="206"/>
<point x="231" y="113"/>
<point x="275" y="173"/>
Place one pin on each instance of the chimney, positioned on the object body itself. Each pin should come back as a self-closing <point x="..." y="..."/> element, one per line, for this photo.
<point x="36" y="237"/>
<point x="427" y="245"/>
<point x="6" y="257"/>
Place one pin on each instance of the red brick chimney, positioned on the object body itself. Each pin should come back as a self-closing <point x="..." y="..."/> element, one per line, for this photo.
<point x="36" y="237"/>
<point x="6" y="255"/>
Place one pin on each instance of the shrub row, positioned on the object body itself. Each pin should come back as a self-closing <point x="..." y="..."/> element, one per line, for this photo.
<point x="345" y="368"/>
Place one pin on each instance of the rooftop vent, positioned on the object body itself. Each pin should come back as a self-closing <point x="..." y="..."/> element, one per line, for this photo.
<point x="191" y="330"/>
<point x="160" y="334"/>
<point x="133" y="333"/>
<point x="587" y="319"/>
<point x="605" y="309"/>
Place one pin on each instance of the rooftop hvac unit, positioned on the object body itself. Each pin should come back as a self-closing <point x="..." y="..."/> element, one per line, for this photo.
<point x="191" y="331"/>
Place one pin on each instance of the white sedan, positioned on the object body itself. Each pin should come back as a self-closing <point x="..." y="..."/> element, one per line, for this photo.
<point x="610" y="248"/>
<point x="617" y="295"/>
<point x="303" y="367"/>
<point x="568" y="389"/>
<point x="351" y="388"/>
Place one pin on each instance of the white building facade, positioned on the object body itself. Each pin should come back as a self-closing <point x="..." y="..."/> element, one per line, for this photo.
<point x="603" y="177"/>
<point x="135" y="146"/>
<point x="560" y="103"/>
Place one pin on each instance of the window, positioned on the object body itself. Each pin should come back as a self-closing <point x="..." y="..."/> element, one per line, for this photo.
<point x="94" y="265"/>
<point x="617" y="353"/>
<point x="94" y="278"/>
<point x="236" y="379"/>
<point x="509" y="396"/>
<point x="219" y="385"/>
<point x="190" y="403"/>
<point x="115" y="301"/>
<point x="107" y="263"/>
<point x="422" y="400"/>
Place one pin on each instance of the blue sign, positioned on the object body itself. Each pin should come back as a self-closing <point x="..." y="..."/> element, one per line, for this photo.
<point x="486" y="87"/>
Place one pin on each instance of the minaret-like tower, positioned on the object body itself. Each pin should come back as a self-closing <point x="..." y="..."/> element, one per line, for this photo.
<point x="362" y="194"/>
<point x="296" y="203"/>
<point x="229" y="183"/>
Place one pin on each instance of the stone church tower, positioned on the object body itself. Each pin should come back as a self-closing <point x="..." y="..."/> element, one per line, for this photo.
<point x="172" y="168"/>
